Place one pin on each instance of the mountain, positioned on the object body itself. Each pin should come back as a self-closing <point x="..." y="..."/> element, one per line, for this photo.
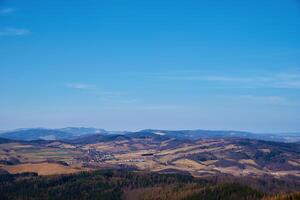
<point x="192" y="135"/>
<point x="5" y="141"/>
<point x="92" y="139"/>
<point x="205" y="134"/>
<point x="79" y="133"/>
<point x="50" y="134"/>
<point x="149" y="134"/>
<point x="35" y="134"/>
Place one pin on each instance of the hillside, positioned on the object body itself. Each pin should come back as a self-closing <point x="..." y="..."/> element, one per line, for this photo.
<point x="126" y="185"/>
<point x="153" y="152"/>
<point x="265" y="167"/>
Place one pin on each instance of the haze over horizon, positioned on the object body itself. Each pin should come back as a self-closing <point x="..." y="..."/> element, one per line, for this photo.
<point x="138" y="130"/>
<point x="132" y="65"/>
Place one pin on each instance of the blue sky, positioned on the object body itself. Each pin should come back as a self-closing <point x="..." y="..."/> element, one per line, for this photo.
<point x="139" y="64"/>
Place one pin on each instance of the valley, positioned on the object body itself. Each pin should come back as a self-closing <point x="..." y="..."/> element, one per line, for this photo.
<point x="145" y="151"/>
<point x="147" y="165"/>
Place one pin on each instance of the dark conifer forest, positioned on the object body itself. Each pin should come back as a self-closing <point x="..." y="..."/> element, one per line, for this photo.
<point x="121" y="184"/>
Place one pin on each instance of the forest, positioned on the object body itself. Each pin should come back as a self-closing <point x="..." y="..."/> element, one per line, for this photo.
<point x="122" y="184"/>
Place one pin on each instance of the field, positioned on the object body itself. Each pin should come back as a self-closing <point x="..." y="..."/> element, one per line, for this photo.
<point x="200" y="158"/>
<point x="41" y="168"/>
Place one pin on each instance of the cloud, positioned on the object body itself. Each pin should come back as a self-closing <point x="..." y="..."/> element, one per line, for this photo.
<point x="7" y="10"/>
<point x="286" y="80"/>
<point x="146" y="107"/>
<point x="276" y="80"/>
<point x="14" y="32"/>
<point x="278" y="100"/>
<point x="207" y="78"/>
<point x="80" y="86"/>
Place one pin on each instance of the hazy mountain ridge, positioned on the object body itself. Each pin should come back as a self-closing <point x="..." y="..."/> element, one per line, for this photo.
<point x="81" y="132"/>
<point x="50" y="134"/>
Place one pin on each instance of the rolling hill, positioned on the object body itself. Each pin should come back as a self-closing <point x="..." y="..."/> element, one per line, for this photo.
<point x="70" y="133"/>
<point x="266" y="167"/>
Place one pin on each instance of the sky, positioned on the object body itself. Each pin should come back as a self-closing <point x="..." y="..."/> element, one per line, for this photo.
<point x="161" y="64"/>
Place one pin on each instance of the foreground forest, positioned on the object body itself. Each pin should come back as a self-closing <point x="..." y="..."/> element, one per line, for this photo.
<point x="121" y="184"/>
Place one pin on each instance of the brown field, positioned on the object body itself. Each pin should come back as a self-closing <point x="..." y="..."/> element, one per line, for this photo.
<point x="207" y="156"/>
<point x="189" y="164"/>
<point x="248" y="161"/>
<point x="41" y="168"/>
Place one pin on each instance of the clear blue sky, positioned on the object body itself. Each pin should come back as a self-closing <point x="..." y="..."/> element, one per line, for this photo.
<point x="138" y="64"/>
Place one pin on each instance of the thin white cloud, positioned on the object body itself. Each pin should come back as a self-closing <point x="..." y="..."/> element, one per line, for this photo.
<point x="207" y="78"/>
<point x="146" y="107"/>
<point x="5" y="11"/>
<point x="286" y="80"/>
<point x="14" y="32"/>
<point x="278" y="100"/>
<point x="276" y="80"/>
<point x="80" y="86"/>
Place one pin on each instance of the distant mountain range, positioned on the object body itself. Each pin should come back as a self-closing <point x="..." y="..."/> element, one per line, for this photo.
<point x="198" y="134"/>
<point x="50" y="134"/>
<point x="87" y="134"/>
